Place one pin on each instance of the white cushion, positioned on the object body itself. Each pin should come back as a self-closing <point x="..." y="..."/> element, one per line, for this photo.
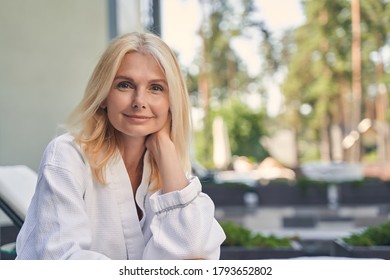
<point x="17" y="187"/>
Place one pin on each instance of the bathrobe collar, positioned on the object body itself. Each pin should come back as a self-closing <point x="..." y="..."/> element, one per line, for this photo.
<point x="118" y="180"/>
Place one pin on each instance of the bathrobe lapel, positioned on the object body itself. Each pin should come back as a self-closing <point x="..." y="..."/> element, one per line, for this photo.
<point x="119" y="181"/>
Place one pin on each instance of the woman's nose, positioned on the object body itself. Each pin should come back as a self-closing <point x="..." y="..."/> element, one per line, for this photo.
<point x="139" y="101"/>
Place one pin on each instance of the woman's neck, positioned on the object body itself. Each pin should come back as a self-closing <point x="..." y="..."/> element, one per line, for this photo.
<point x="133" y="154"/>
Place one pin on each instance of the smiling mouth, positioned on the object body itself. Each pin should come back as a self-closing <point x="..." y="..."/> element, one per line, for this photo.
<point x="135" y="117"/>
<point x="138" y="117"/>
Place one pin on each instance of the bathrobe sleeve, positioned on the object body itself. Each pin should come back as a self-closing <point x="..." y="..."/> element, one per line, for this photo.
<point x="184" y="226"/>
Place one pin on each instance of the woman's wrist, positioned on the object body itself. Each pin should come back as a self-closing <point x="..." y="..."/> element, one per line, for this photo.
<point x="171" y="172"/>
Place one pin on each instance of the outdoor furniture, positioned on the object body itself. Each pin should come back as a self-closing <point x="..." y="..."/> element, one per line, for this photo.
<point x="17" y="187"/>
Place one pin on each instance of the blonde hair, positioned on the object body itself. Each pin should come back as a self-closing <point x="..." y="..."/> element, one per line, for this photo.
<point x="89" y="124"/>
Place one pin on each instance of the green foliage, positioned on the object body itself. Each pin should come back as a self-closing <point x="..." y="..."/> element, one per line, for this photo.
<point x="372" y="236"/>
<point x="239" y="236"/>
<point x="304" y="183"/>
<point x="245" y="128"/>
<point x="224" y="20"/>
<point x="318" y="58"/>
<point x="222" y="73"/>
<point x="203" y="148"/>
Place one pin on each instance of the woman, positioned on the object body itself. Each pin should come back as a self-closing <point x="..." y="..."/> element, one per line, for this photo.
<point x="118" y="185"/>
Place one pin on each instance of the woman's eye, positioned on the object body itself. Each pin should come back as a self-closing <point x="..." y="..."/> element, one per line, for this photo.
<point x="124" y="86"/>
<point x="157" y="88"/>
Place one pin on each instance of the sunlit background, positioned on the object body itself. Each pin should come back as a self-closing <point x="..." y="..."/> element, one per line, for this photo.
<point x="289" y="99"/>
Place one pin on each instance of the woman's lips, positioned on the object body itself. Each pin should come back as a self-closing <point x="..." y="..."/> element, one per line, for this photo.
<point x="137" y="118"/>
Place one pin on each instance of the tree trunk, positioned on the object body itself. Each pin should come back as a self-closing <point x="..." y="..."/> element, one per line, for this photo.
<point x="325" y="143"/>
<point x="355" y="153"/>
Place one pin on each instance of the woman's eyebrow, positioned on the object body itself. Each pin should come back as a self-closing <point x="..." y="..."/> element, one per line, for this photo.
<point x="159" y="81"/>
<point x="122" y="77"/>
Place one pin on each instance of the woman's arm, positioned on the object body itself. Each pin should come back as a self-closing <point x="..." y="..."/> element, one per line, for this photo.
<point x="164" y="152"/>
<point x="57" y="224"/>
<point x="183" y="226"/>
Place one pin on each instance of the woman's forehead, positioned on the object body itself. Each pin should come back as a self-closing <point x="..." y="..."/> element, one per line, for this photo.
<point x="136" y="63"/>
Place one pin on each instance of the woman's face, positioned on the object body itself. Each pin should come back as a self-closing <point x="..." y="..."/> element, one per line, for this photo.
<point x="138" y="101"/>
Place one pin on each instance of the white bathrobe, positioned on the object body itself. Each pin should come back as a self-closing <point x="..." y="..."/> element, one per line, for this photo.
<point x="71" y="216"/>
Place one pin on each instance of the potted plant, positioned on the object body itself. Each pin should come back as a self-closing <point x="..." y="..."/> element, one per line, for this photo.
<point x="373" y="242"/>
<point x="241" y="243"/>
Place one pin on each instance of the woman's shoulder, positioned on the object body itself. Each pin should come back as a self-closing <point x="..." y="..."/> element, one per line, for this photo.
<point x="63" y="142"/>
<point x="63" y="139"/>
<point x="63" y="151"/>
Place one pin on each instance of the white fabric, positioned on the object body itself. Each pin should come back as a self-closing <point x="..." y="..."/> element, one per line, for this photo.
<point x="17" y="186"/>
<point x="72" y="216"/>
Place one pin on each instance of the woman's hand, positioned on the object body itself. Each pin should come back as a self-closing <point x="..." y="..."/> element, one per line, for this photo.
<point x="155" y="142"/>
<point x="160" y="145"/>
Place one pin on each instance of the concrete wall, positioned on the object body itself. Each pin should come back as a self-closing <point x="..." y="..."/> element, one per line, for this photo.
<point x="48" y="49"/>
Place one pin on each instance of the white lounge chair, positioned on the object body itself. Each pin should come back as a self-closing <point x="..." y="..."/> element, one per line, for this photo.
<point x="17" y="186"/>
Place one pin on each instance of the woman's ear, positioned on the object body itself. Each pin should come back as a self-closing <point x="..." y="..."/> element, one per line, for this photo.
<point x="103" y="105"/>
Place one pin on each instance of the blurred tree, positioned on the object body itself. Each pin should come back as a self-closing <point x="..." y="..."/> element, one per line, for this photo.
<point x="320" y="68"/>
<point x="222" y="74"/>
<point x="245" y="128"/>
<point x="376" y="79"/>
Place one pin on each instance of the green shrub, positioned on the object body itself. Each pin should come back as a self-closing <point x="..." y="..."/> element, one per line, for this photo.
<point x="372" y="236"/>
<point x="239" y="236"/>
